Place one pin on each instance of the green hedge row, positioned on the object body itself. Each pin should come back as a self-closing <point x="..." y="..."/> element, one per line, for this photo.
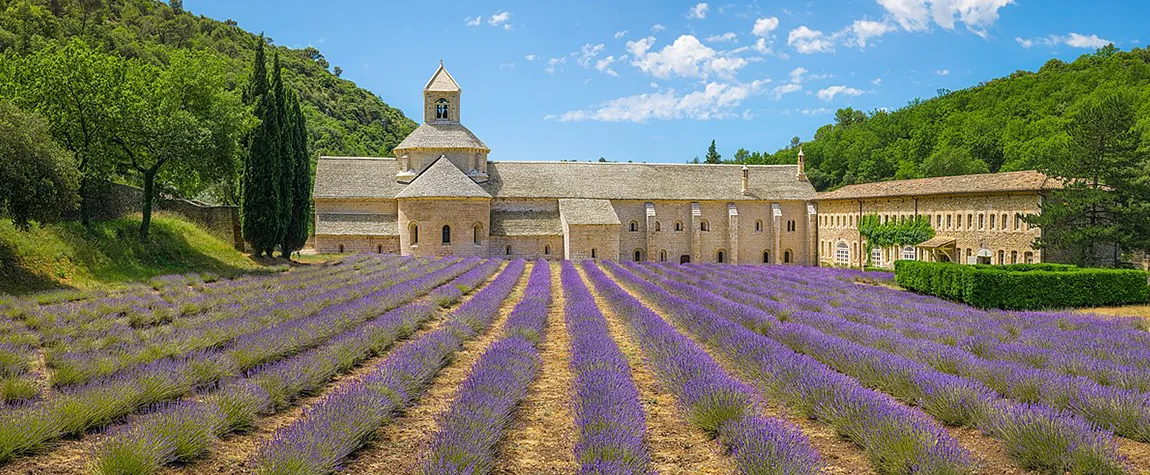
<point x="1024" y="286"/>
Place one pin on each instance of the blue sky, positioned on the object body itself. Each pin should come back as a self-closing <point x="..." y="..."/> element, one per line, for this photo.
<point x="656" y="81"/>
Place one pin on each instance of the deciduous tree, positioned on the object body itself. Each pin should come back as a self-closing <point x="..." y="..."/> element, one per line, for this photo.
<point x="39" y="177"/>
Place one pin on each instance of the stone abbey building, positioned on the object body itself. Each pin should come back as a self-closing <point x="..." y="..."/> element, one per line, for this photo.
<point x="442" y="196"/>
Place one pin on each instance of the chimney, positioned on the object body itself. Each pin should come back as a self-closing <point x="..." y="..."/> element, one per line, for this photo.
<point x="802" y="173"/>
<point x="746" y="179"/>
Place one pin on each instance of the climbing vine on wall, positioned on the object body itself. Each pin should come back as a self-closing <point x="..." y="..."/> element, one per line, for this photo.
<point x="896" y="232"/>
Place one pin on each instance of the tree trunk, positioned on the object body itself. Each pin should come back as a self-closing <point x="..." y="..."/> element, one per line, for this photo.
<point x="149" y="189"/>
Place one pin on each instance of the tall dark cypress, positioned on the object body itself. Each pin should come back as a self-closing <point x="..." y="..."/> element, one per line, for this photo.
<point x="299" y="225"/>
<point x="262" y="226"/>
<point x="285" y="153"/>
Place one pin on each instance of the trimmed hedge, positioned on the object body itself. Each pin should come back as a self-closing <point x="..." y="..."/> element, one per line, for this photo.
<point x="1024" y="286"/>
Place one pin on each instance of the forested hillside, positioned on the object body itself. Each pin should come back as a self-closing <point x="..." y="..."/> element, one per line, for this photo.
<point x="341" y="118"/>
<point x="1013" y="123"/>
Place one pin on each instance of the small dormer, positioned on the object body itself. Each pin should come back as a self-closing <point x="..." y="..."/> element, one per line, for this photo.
<point x="441" y="98"/>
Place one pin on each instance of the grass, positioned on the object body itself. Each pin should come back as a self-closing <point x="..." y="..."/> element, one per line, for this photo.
<point x="68" y="256"/>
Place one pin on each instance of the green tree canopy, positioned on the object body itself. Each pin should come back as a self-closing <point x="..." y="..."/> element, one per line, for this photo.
<point x="40" y="177"/>
<point x="713" y="154"/>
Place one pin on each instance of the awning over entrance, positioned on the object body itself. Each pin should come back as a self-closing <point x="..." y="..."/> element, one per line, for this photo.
<point x="937" y="242"/>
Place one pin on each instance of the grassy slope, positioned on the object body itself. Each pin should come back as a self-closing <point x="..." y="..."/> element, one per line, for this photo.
<point x="65" y="255"/>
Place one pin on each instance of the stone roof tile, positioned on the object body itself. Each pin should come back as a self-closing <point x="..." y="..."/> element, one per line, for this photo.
<point x="355" y="178"/>
<point x="588" y="212"/>
<point x="442" y="180"/>
<point x="356" y="224"/>
<point x="1003" y="182"/>
<point x="525" y="223"/>
<point x="445" y="135"/>
<point x="441" y="81"/>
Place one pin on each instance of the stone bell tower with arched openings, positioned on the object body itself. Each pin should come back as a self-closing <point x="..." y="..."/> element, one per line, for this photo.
<point x="441" y="98"/>
<point x="441" y="135"/>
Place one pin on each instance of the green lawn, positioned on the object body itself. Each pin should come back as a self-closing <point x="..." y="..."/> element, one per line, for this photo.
<point x="66" y="255"/>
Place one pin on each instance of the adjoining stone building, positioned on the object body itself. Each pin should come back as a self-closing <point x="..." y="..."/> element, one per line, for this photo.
<point x="976" y="218"/>
<point x="441" y="196"/>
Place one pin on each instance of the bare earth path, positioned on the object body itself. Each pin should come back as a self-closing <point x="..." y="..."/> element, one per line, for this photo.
<point x="541" y="440"/>
<point x="399" y="445"/>
<point x="675" y="445"/>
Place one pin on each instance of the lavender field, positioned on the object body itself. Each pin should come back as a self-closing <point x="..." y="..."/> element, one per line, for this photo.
<point x="387" y="364"/>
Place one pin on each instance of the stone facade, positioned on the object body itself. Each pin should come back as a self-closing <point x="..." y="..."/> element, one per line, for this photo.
<point x="983" y="226"/>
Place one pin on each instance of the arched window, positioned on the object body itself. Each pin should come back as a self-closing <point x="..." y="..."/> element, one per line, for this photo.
<point x="413" y="231"/>
<point x="678" y="226"/>
<point x="663" y="255"/>
<point x="981" y="220"/>
<point x="1003" y="222"/>
<point x="970" y="221"/>
<point x="758" y="226"/>
<point x="634" y="226"/>
<point x="547" y="249"/>
<point x="766" y="257"/>
<point x="992" y="219"/>
<point x="594" y="254"/>
<point x="441" y="109"/>
<point x="658" y="227"/>
<point x="1001" y="257"/>
<point x="1017" y="221"/>
<point x="446" y="234"/>
<point x="908" y="253"/>
<point x="638" y="255"/>
<point x="341" y="248"/>
<point x="787" y="257"/>
<point x="704" y="225"/>
<point x="476" y="231"/>
<point x="720" y="257"/>
<point x="791" y="226"/>
<point x="1014" y="257"/>
<point x="379" y="249"/>
<point x="507" y="250"/>
<point x="842" y="253"/>
<point x="1028" y="257"/>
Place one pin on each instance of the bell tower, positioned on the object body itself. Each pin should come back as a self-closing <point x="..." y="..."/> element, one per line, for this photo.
<point x="441" y="98"/>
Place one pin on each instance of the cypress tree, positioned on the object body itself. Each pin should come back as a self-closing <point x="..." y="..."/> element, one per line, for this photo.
<point x="262" y="226"/>
<point x="285" y="153"/>
<point x="300" y="222"/>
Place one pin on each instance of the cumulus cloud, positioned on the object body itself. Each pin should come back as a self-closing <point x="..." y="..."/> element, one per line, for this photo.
<point x="588" y="53"/>
<point x="714" y="101"/>
<point x="1074" y="40"/>
<point x="816" y="111"/>
<point x="916" y="15"/>
<point x="829" y="93"/>
<point x="529" y="57"/>
<point x="764" y="26"/>
<point x="620" y="34"/>
<point x="473" y="21"/>
<point x="686" y="57"/>
<point x="723" y="38"/>
<point x="555" y="64"/>
<point x="864" y="30"/>
<point x="876" y="81"/>
<point x="807" y="41"/>
<point x="779" y="91"/>
<point x="698" y="11"/>
<point x="604" y="65"/>
<point x="797" y="74"/>
<point x="499" y="18"/>
<point x="657" y="28"/>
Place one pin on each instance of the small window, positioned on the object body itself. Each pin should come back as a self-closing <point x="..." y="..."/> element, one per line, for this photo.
<point x="547" y="250"/>
<point x="476" y="231"/>
<point x="663" y="255"/>
<point x="1014" y="257"/>
<point x="1017" y="221"/>
<point x="842" y="254"/>
<point x="787" y="257"/>
<point x="341" y="248"/>
<point x="594" y="254"/>
<point x="658" y="226"/>
<point x="507" y="250"/>
<point x="992" y="225"/>
<point x="791" y="226"/>
<point x="1028" y="257"/>
<point x="908" y="253"/>
<point x="876" y="257"/>
<point x="970" y="221"/>
<point x="759" y="226"/>
<point x="413" y="230"/>
<point x="766" y="257"/>
<point x="1001" y="257"/>
<point x="379" y="249"/>
<point x="638" y="255"/>
<point x="1003" y="222"/>
<point x="678" y="226"/>
<point x="634" y="226"/>
<point x="446" y="234"/>
<point x="948" y="221"/>
<point x="441" y="109"/>
<point x="720" y="257"/>
<point x="704" y="226"/>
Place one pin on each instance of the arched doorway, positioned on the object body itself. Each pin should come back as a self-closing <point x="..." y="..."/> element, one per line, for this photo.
<point x="684" y="259"/>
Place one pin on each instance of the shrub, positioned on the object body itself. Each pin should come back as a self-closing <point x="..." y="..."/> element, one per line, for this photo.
<point x="1024" y="286"/>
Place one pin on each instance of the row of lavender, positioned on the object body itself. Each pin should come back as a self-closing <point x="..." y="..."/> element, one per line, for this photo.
<point x="1037" y="435"/>
<point x="74" y="410"/>
<point x="469" y="431"/>
<point x="347" y="418"/>
<point x="712" y="399"/>
<point x="181" y="431"/>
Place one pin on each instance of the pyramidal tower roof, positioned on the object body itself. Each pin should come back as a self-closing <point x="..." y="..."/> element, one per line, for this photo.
<point x="441" y="81"/>
<point x="443" y="180"/>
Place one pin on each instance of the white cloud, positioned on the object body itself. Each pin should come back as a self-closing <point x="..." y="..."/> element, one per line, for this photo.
<point x="714" y="101"/>
<point x="916" y="15"/>
<point x="1074" y="40"/>
<point x="604" y="65"/>
<point x="829" y="93"/>
<point x="529" y="57"/>
<point x="699" y="11"/>
<point x="779" y="91"/>
<point x="817" y="111"/>
<point x="876" y="81"/>
<point x="654" y="84"/>
<point x="942" y="72"/>
<point x="657" y="28"/>
<point x="764" y="26"/>
<point x="807" y="41"/>
<point x="620" y="34"/>
<point x="723" y="38"/>
<point x="506" y="66"/>
<point x="499" y="18"/>
<point x="864" y="30"/>
<point x="588" y="53"/>
<point x="686" y="57"/>
<point x="473" y="21"/>
<point x="554" y="64"/>
<point x="797" y="74"/>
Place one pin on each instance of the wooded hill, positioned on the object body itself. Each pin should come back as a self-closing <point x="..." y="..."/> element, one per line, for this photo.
<point x="342" y="119"/>
<point x="1016" y="122"/>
